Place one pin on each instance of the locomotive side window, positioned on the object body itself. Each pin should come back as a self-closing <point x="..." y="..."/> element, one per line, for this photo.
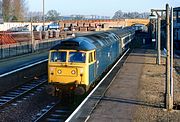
<point x="78" y="57"/>
<point x="90" y="57"/>
<point x="58" y="56"/>
<point x="94" y="55"/>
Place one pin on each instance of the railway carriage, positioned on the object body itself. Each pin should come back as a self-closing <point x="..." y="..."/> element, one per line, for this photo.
<point x="75" y="64"/>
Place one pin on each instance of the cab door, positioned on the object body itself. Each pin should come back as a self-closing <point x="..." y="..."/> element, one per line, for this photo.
<point x="92" y="67"/>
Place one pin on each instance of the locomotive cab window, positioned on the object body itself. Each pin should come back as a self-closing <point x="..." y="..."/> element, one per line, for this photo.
<point x="78" y="57"/>
<point x="58" y="56"/>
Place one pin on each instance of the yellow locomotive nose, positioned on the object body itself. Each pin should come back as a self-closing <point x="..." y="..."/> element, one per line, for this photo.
<point x="66" y="75"/>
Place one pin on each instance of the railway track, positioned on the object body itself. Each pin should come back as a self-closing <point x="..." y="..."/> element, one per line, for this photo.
<point x="54" y="112"/>
<point x="16" y="94"/>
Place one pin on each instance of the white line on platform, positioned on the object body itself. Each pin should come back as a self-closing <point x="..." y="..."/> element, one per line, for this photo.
<point x="25" y="67"/>
<point x="79" y="107"/>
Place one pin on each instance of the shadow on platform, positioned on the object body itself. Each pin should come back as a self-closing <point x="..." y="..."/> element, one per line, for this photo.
<point x="142" y="54"/>
<point x="140" y="63"/>
<point x="129" y="101"/>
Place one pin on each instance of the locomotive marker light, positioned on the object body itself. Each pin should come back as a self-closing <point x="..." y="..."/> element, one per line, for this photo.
<point x="59" y="71"/>
<point x="73" y="72"/>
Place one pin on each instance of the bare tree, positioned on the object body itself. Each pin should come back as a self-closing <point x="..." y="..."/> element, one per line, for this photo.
<point x="118" y="15"/>
<point x="52" y="15"/>
<point x="1" y="16"/>
<point x="6" y="9"/>
<point x="19" y="9"/>
<point x="14" y="10"/>
<point x="129" y="15"/>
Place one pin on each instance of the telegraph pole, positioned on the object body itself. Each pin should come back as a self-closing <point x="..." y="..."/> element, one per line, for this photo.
<point x="169" y="98"/>
<point x="32" y="37"/>
<point x="43" y="17"/>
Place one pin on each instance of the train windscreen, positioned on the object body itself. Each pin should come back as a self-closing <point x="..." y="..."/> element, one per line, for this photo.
<point x="78" y="57"/>
<point x="58" y="56"/>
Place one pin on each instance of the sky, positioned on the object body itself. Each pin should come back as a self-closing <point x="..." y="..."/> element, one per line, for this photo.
<point x="99" y="7"/>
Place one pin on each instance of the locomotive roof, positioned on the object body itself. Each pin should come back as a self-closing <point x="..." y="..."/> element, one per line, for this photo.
<point x="79" y="43"/>
<point x="93" y="41"/>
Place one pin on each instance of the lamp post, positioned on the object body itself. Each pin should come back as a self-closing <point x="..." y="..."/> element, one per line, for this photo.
<point x="158" y="60"/>
<point x="158" y="35"/>
<point x="159" y="17"/>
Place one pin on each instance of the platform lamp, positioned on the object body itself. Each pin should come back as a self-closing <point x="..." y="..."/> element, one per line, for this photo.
<point x="153" y="19"/>
<point x="157" y="18"/>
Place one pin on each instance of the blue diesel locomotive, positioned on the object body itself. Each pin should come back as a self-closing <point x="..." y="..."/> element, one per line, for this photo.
<point x="75" y="64"/>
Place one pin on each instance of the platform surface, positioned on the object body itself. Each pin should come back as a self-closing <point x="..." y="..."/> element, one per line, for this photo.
<point x="119" y="101"/>
<point x="137" y="92"/>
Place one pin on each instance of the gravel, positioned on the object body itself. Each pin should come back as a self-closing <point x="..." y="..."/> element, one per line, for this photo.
<point x="152" y="92"/>
<point x="26" y="110"/>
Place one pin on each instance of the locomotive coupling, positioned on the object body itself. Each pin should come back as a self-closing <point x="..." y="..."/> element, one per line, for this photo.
<point x="50" y="89"/>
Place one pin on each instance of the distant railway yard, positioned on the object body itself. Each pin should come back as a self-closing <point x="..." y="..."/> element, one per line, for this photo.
<point x="86" y="74"/>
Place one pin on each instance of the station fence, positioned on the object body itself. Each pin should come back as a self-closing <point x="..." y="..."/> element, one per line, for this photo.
<point x="10" y="50"/>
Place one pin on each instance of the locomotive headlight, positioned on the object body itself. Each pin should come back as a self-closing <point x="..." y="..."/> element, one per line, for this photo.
<point x="59" y="71"/>
<point x="73" y="71"/>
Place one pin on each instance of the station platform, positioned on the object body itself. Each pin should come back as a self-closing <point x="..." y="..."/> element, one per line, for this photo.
<point x="13" y="63"/>
<point x="118" y="103"/>
<point x="137" y="93"/>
